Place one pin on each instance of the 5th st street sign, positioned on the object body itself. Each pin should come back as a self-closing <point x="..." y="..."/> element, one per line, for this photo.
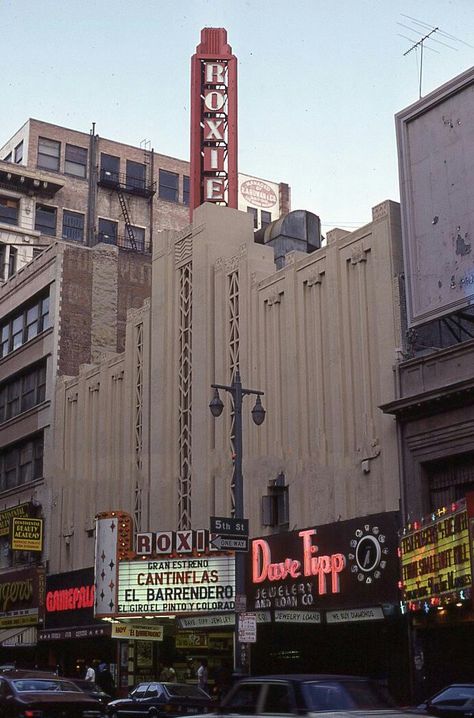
<point x="229" y="526"/>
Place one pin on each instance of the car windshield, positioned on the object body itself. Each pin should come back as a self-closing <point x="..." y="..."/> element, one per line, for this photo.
<point x="184" y="691"/>
<point x="44" y="684"/>
<point x="454" y="695"/>
<point x="344" y="695"/>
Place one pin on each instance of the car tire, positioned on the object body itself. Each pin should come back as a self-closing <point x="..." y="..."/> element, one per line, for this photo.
<point x="114" y="715"/>
<point x="153" y="714"/>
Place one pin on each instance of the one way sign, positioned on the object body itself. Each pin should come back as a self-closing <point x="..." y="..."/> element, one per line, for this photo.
<point x="230" y="543"/>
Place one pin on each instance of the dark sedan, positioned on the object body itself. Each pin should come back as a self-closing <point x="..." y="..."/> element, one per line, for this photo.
<point x="154" y="700"/>
<point x="454" y="701"/>
<point x="304" y="695"/>
<point x="92" y="689"/>
<point x="29" y="695"/>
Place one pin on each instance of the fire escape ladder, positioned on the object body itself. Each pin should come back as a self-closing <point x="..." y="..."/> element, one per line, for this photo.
<point x="126" y="216"/>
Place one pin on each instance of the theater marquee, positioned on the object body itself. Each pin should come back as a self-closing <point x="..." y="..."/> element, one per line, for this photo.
<point x="163" y="573"/>
<point x="435" y="557"/>
<point x="170" y="586"/>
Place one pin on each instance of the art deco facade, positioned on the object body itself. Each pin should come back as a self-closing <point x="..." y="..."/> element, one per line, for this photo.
<point x="318" y="337"/>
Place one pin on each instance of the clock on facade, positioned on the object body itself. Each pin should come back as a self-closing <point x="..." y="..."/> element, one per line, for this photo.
<point x="367" y="557"/>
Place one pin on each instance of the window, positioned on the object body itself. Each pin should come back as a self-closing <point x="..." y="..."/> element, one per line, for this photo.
<point x="109" y="168"/>
<point x="139" y="234"/>
<point x="45" y="221"/>
<point x="9" y="210"/>
<point x="244" y="700"/>
<point x="22" y="326"/>
<point x="186" y="190"/>
<point x="252" y="210"/>
<point x="277" y="699"/>
<point x="275" y="505"/>
<point x="75" y="161"/>
<point x="8" y="158"/>
<point x="12" y="261"/>
<point x="73" y="226"/>
<point x="168" y="186"/>
<point x="136" y="175"/>
<point x="21" y="462"/>
<point x="265" y="217"/>
<point x="107" y="231"/>
<point x="19" y="153"/>
<point x="48" y="154"/>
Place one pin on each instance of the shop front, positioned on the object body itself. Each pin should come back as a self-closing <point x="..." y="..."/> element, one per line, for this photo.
<point x="169" y="597"/>
<point x="327" y="601"/>
<point x="21" y="614"/>
<point x="436" y="571"/>
<point x="71" y="636"/>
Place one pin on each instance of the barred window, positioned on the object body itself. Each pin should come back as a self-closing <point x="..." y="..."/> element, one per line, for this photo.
<point x="73" y="226"/>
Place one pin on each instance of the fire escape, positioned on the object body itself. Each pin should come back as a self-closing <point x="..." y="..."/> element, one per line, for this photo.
<point x="127" y="185"/>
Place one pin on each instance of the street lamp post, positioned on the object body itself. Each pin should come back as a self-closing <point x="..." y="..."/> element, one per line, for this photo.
<point x="258" y="415"/>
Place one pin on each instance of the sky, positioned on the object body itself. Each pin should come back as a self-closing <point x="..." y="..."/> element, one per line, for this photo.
<point x="319" y="81"/>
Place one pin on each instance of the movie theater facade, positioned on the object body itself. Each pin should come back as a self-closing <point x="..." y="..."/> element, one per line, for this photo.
<point x="320" y="588"/>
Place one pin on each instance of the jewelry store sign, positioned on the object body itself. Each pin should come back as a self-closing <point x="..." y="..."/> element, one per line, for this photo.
<point x="26" y="534"/>
<point x="176" y="585"/>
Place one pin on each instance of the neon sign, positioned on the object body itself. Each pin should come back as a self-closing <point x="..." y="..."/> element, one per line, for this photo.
<point x="321" y="566"/>
<point x="435" y="557"/>
<point x="213" y="121"/>
<point x="70" y="599"/>
<point x="343" y="565"/>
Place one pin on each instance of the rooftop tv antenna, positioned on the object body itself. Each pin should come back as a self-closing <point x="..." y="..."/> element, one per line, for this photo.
<point x="417" y="26"/>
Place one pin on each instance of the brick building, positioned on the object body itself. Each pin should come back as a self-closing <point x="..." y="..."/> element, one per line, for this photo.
<point x="83" y="188"/>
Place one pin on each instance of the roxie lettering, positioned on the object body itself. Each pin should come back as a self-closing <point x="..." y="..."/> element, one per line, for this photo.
<point x="319" y="565"/>
<point x="14" y="591"/>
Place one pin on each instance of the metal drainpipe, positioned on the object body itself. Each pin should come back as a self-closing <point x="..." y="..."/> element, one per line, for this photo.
<point x="151" y="180"/>
<point x="92" y="188"/>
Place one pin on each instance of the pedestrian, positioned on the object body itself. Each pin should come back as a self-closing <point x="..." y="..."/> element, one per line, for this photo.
<point x="202" y="675"/>
<point x="90" y="673"/>
<point x="105" y="680"/>
<point x="168" y="674"/>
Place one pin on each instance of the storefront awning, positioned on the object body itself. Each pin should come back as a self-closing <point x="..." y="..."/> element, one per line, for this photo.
<point x="19" y="637"/>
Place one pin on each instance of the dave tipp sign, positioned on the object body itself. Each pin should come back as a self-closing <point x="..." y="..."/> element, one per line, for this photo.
<point x="177" y="585"/>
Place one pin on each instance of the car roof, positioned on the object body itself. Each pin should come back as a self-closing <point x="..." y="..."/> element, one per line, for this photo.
<point x="19" y="673"/>
<point x="306" y="677"/>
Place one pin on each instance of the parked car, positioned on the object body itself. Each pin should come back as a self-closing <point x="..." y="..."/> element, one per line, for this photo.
<point x="301" y="695"/>
<point x="454" y="701"/>
<point x="93" y="690"/>
<point x="156" y="699"/>
<point x="35" y="695"/>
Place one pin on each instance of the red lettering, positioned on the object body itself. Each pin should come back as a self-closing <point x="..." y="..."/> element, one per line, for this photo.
<point x="70" y="599"/>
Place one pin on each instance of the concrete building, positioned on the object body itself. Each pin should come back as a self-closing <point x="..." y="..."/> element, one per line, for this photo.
<point x="66" y="307"/>
<point x="77" y="219"/>
<point x="318" y="337"/>
<point x="434" y="406"/>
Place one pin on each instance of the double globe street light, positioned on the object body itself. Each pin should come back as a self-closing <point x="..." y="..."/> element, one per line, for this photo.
<point x="216" y="406"/>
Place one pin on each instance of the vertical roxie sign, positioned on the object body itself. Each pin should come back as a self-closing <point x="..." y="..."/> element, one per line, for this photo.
<point x="213" y="121"/>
